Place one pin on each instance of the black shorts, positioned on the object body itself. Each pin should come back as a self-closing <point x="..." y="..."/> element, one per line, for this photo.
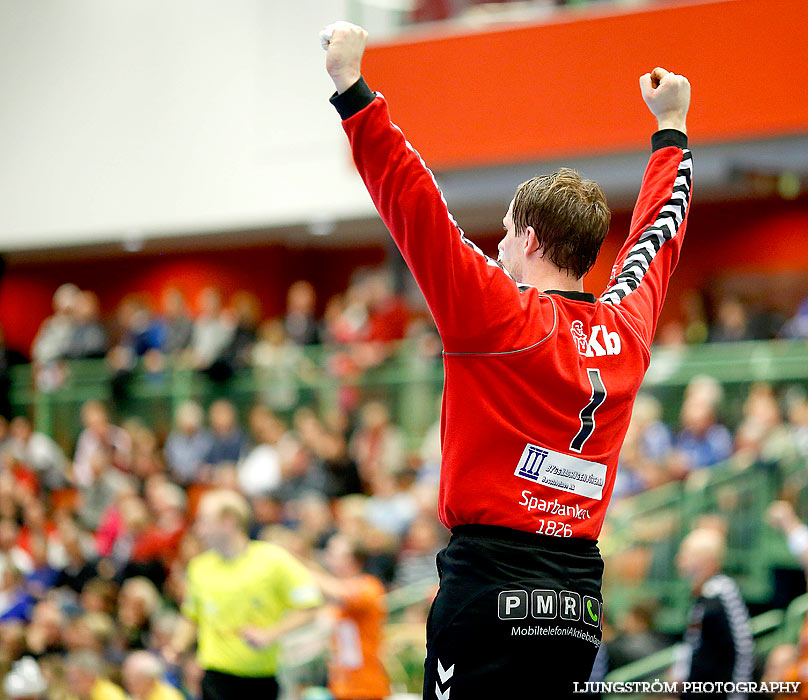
<point x="222" y="686"/>
<point x="517" y="616"/>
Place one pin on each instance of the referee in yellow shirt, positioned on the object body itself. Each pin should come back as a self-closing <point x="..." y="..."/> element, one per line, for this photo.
<point x="241" y="597"/>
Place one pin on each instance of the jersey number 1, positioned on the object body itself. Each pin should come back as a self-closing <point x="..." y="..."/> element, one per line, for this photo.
<point x="587" y="414"/>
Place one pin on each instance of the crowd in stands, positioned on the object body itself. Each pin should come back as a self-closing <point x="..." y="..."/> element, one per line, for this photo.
<point x="222" y="338"/>
<point x="94" y="548"/>
<point x="95" y="539"/>
<point x="773" y="429"/>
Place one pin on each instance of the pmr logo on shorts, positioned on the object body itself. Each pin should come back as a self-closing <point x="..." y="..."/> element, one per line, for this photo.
<point x="512" y="605"/>
<point x="569" y="603"/>
<point x="547" y="604"/>
<point x="592" y="611"/>
<point x="530" y="465"/>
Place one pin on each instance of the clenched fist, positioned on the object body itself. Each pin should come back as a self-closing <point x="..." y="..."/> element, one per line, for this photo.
<point x="345" y="44"/>
<point x="668" y="97"/>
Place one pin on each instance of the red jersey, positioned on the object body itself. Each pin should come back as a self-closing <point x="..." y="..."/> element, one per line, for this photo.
<point x="539" y="385"/>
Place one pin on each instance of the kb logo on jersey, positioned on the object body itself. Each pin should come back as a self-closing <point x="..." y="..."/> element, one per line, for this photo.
<point x="601" y="342"/>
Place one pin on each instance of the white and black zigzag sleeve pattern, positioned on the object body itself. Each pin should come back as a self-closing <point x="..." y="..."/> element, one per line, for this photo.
<point x="663" y="229"/>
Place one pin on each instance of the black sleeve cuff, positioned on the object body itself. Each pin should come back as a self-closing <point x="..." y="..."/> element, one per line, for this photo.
<point x="354" y="99"/>
<point x="668" y="137"/>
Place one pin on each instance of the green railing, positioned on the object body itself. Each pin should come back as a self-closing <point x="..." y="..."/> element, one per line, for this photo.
<point x="769" y="629"/>
<point x="643" y="533"/>
<point x="407" y="381"/>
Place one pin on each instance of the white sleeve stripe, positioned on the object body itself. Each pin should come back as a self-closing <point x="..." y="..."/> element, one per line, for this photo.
<point x="663" y="229"/>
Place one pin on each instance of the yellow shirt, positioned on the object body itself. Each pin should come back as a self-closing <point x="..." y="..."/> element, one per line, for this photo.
<point x="257" y="588"/>
<point x="106" y="690"/>
<point x="164" y="691"/>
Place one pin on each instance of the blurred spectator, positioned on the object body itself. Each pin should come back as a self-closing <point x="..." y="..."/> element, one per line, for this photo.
<point x="300" y="323"/>
<point x="138" y="601"/>
<point x="645" y="451"/>
<point x="390" y="509"/>
<point x="315" y="524"/>
<point x="87" y="678"/>
<point x="44" y="635"/>
<point x="147" y="458"/>
<point x="178" y="326"/>
<point x="762" y="438"/>
<point x="781" y="515"/>
<point x="99" y="437"/>
<point x="797" y="325"/>
<point x="81" y="561"/>
<point x="89" y="339"/>
<point x="15" y="601"/>
<point x="341" y="474"/>
<point x="278" y="364"/>
<point x="797" y="406"/>
<point x="416" y="563"/>
<point x="636" y="637"/>
<point x="228" y="441"/>
<point x="105" y="486"/>
<point x="731" y="323"/>
<point x="718" y="643"/>
<point x="389" y="315"/>
<point x="213" y="330"/>
<point x="695" y="326"/>
<point x="25" y="681"/>
<point x="246" y="310"/>
<point x="143" y="676"/>
<point x="138" y="333"/>
<point x="12" y="553"/>
<point x="355" y="669"/>
<point x="39" y="452"/>
<point x="766" y="320"/>
<point x="702" y="440"/>
<point x="43" y="576"/>
<point x="8" y="358"/>
<point x="53" y="339"/>
<point x="260" y="471"/>
<point x="189" y="444"/>
<point x="377" y="446"/>
<point x="160" y="540"/>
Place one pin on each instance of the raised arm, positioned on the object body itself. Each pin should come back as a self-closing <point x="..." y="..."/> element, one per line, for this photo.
<point x="644" y="265"/>
<point x="474" y="301"/>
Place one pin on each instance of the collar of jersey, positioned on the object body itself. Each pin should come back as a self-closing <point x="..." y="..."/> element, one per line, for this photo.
<point x="575" y="296"/>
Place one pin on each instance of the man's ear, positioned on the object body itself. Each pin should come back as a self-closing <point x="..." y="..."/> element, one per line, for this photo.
<point x="531" y="241"/>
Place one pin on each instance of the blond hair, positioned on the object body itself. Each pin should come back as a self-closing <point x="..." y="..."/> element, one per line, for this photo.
<point x="227" y="503"/>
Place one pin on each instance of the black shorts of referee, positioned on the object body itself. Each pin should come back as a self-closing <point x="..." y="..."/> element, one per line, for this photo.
<point x="517" y="615"/>
<point x="222" y="686"/>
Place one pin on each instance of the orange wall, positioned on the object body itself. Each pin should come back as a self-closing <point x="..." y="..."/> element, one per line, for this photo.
<point x="570" y="87"/>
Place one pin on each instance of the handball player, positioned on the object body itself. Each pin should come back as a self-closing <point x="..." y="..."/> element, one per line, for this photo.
<point x="540" y="380"/>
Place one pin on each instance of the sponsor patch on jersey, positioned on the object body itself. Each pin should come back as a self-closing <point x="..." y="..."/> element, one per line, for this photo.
<point x="556" y="470"/>
<point x="599" y="343"/>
